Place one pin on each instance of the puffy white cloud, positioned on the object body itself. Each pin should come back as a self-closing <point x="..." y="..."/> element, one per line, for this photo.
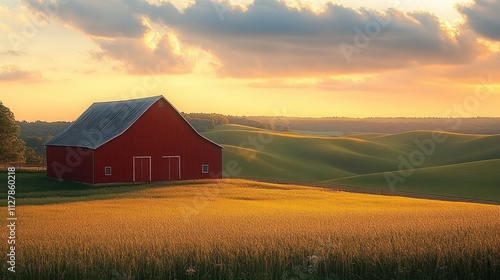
<point x="138" y="58"/>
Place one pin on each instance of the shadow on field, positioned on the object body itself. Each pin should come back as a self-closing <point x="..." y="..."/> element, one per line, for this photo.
<point x="35" y="188"/>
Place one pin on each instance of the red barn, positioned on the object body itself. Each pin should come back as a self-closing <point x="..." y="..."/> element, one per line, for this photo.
<point x="141" y="140"/>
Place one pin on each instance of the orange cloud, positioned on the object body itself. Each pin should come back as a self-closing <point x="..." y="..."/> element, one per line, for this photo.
<point x="13" y="73"/>
<point x="269" y="38"/>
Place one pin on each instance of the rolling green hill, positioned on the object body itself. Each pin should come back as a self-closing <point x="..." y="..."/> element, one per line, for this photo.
<point x="462" y="165"/>
<point x="477" y="180"/>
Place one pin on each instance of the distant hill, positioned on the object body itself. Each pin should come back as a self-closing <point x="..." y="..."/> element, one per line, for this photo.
<point x="348" y="126"/>
<point x="41" y="129"/>
<point x="35" y="133"/>
<point x="314" y="126"/>
<point x="462" y="164"/>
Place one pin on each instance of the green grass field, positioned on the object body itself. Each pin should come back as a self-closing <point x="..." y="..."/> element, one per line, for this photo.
<point x="448" y="164"/>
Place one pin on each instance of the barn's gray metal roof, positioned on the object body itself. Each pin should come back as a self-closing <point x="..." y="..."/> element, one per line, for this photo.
<point x="104" y="121"/>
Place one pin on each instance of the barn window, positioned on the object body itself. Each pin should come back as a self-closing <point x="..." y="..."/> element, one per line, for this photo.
<point x="160" y="103"/>
<point x="107" y="170"/>
<point x="204" y="168"/>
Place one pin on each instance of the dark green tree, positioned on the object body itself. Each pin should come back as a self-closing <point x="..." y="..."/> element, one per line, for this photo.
<point x="32" y="157"/>
<point x="36" y="143"/>
<point x="12" y="148"/>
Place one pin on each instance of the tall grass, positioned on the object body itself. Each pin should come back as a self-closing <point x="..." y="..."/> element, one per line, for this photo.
<point x="246" y="230"/>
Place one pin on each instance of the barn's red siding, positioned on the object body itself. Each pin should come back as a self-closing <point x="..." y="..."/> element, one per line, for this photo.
<point x="160" y="132"/>
<point x="70" y="163"/>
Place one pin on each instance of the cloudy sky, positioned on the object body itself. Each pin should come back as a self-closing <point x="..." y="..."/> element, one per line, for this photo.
<point x="253" y="57"/>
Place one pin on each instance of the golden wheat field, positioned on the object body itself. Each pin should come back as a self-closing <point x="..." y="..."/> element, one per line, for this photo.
<point x="235" y="229"/>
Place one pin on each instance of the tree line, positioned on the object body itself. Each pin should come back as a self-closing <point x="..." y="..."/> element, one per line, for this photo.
<point x="203" y="122"/>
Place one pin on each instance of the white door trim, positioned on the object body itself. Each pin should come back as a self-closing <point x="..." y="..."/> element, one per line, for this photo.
<point x="150" y="167"/>
<point x="169" y="157"/>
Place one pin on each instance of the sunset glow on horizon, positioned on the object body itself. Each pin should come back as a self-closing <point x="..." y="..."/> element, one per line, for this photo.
<point x="242" y="57"/>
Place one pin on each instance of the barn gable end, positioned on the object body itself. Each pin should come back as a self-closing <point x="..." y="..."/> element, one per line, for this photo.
<point x="138" y="140"/>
